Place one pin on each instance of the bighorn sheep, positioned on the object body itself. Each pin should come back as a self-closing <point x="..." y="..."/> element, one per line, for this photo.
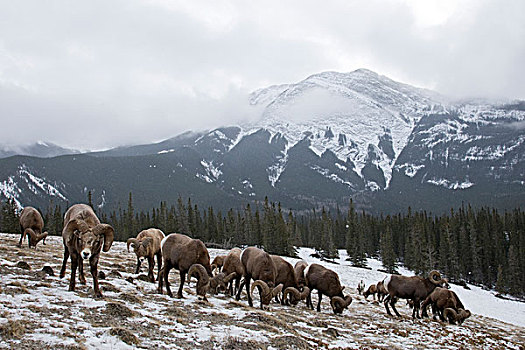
<point x="415" y="288"/>
<point x="233" y="264"/>
<point x="372" y="290"/>
<point x="147" y="245"/>
<point x="180" y="252"/>
<point x="260" y="266"/>
<point x="360" y="287"/>
<point x="326" y="282"/>
<point x="83" y="236"/>
<point x="381" y="291"/>
<point x="299" y="268"/>
<point x="294" y="288"/>
<point x="285" y="276"/>
<point x="31" y="224"/>
<point x="218" y="262"/>
<point x="206" y="284"/>
<point x="443" y="299"/>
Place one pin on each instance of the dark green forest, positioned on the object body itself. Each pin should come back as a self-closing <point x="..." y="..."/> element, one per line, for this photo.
<point x="481" y="246"/>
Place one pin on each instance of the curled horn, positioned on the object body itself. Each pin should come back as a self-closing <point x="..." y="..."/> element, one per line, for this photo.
<point x="228" y="278"/>
<point x="108" y="232"/>
<point x="263" y="288"/>
<point x="200" y="271"/>
<point x="277" y="290"/>
<point x="435" y="277"/>
<point x="339" y="304"/>
<point x="296" y="295"/>
<point x="462" y="315"/>
<point x="131" y="241"/>
<point x="305" y="293"/>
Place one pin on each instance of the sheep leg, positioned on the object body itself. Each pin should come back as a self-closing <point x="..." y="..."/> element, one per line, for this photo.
<point x="165" y="279"/>
<point x="151" y="263"/>
<point x="309" y="301"/>
<point x="81" y="275"/>
<point x="138" y="266"/>
<point x="182" y="280"/>
<point x="239" y="290"/>
<point x="94" y="272"/>
<point x="387" y="299"/>
<point x="66" y="256"/>
<point x="74" y="265"/>
<point x="393" y="304"/>
<point x="247" y="282"/>
<point x="319" y="302"/>
<point x="159" y="262"/>
<point x="22" y="236"/>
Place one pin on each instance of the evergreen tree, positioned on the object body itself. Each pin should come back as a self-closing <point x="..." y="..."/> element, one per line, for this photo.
<point x="387" y="251"/>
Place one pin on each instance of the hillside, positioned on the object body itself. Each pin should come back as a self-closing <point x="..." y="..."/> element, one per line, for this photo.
<point x="36" y="311"/>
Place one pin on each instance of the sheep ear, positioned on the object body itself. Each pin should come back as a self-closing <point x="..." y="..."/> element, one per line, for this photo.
<point x="108" y="232"/>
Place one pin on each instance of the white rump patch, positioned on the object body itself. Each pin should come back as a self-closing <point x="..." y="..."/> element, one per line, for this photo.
<point x="386" y="281"/>
<point x="305" y="271"/>
<point x="162" y="243"/>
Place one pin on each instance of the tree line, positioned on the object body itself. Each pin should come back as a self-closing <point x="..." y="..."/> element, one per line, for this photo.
<point x="481" y="246"/>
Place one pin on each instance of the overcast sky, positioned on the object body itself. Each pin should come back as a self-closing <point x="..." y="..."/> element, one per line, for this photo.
<point x="95" y="74"/>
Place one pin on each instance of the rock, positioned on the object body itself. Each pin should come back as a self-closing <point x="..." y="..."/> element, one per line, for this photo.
<point x="143" y="277"/>
<point x="331" y="332"/>
<point x="129" y="279"/>
<point x="101" y="275"/>
<point x="23" y="265"/>
<point x="48" y="270"/>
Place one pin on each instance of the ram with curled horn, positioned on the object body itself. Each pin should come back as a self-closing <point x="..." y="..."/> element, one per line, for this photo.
<point x="265" y="292"/>
<point x="326" y="282"/>
<point x="414" y="288"/>
<point x="146" y="246"/>
<point x="258" y="265"/>
<point x="293" y="296"/>
<point x="83" y="237"/>
<point x="207" y="284"/>
<point x="31" y="225"/>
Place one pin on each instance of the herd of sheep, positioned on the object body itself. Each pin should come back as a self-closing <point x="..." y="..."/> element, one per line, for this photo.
<point x="275" y="278"/>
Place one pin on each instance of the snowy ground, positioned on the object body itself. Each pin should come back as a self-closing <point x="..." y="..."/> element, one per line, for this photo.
<point x="37" y="311"/>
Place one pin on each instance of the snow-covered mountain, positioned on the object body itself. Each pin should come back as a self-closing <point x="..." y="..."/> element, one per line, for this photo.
<point x="319" y="142"/>
<point x="38" y="149"/>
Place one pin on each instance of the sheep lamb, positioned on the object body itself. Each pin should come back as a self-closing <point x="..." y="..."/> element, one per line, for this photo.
<point x="233" y="264"/>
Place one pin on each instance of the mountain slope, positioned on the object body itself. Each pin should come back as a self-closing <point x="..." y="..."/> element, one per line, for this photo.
<point x="319" y="142"/>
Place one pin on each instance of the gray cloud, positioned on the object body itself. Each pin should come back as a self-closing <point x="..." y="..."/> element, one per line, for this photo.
<point x="98" y="74"/>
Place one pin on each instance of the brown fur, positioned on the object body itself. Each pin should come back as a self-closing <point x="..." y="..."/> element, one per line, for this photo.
<point x="326" y="282"/>
<point x="233" y="264"/>
<point x="31" y="224"/>
<point x="147" y="245"/>
<point x="180" y="252"/>
<point x="83" y="237"/>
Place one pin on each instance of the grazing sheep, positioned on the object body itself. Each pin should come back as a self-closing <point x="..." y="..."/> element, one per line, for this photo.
<point x="415" y="288"/>
<point x="260" y="266"/>
<point x="206" y="284"/>
<point x="233" y="264"/>
<point x="31" y="224"/>
<point x="326" y="282"/>
<point x="372" y="290"/>
<point x="218" y="262"/>
<point x="83" y="236"/>
<point x="452" y="316"/>
<point x="147" y="245"/>
<point x="442" y="299"/>
<point x="294" y="296"/>
<point x="381" y="291"/>
<point x="299" y="268"/>
<point x="285" y="276"/>
<point x="180" y="252"/>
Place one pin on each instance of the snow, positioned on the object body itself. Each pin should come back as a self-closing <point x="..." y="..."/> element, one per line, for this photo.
<point x="76" y="319"/>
